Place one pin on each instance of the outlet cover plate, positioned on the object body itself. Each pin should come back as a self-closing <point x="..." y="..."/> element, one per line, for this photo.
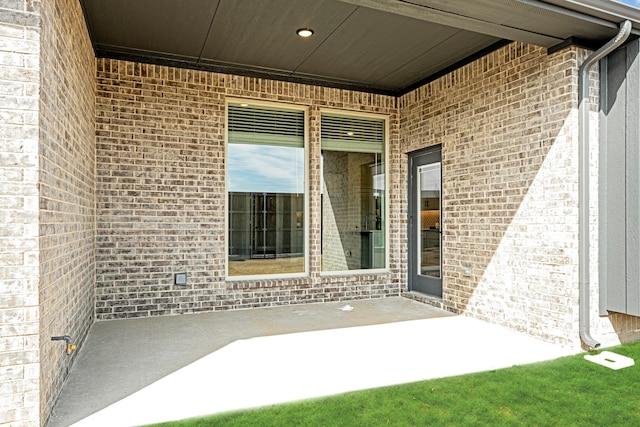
<point x="180" y="279"/>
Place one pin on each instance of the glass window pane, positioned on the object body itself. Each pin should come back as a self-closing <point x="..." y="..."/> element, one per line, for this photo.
<point x="353" y="211"/>
<point x="266" y="208"/>
<point x="429" y="182"/>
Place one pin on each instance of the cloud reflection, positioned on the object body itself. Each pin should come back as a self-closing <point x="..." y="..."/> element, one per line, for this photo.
<point x="265" y="168"/>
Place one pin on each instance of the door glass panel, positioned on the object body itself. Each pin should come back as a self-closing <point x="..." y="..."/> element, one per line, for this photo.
<point x="428" y="185"/>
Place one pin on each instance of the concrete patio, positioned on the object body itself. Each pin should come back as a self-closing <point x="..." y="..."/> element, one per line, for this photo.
<point x="140" y="371"/>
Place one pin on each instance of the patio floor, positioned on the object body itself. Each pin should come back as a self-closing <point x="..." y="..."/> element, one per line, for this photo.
<point x="140" y="371"/>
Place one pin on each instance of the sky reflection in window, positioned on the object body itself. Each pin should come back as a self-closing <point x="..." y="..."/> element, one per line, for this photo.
<point x="266" y="169"/>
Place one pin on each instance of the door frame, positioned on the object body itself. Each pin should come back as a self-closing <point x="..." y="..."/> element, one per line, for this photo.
<point x="416" y="282"/>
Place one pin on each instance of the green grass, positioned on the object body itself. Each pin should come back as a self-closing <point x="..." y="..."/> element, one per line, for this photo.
<point x="566" y="392"/>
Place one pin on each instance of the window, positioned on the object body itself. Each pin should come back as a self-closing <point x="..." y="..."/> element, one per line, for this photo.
<point x="266" y="190"/>
<point x="353" y="192"/>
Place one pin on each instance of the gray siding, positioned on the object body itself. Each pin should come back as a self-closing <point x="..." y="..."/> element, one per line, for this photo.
<point x="620" y="182"/>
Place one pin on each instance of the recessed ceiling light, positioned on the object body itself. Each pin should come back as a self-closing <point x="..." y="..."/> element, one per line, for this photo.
<point x="244" y="105"/>
<point x="350" y="133"/>
<point x="304" y="32"/>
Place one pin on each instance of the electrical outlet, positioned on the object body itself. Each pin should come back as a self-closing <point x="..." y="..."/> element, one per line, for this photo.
<point x="180" y="279"/>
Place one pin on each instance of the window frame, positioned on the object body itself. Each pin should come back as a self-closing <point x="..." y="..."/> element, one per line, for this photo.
<point x="277" y="105"/>
<point x="385" y="151"/>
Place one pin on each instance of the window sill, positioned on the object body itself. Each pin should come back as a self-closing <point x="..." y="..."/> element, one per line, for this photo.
<point x="346" y="273"/>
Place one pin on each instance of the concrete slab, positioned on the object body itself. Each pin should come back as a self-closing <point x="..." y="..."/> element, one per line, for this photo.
<point x="150" y="370"/>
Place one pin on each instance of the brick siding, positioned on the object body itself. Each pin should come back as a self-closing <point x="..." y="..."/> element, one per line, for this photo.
<point x="161" y="192"/>
<point x="508" y="128"/>
<point x="47" y="162"/>
<point x="509" y="186"/>
<point x="507" y="124"/>
<point x="67" y="194"/>
<point x="19" y="253"/>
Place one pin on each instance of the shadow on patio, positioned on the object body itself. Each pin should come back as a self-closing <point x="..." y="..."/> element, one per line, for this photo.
<point x="133" y="372"/>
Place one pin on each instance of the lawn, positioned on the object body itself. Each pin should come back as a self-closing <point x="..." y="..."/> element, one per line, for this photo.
<point x="566" y="392"/>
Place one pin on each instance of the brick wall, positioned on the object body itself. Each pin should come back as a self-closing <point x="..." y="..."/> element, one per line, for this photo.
<point x="161" y="192"/>
<point x="507" y="125"/>
<point x="19" y="254"/>
<point x="67" y="194"/>
<point x="508" y="128"/>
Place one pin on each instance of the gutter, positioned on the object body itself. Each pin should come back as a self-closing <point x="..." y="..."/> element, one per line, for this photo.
<point x="613" y="10"/>
<point x="583" y="180"/>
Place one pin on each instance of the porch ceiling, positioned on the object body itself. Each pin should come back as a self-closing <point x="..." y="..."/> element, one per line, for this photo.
<point x="380" y="46"/>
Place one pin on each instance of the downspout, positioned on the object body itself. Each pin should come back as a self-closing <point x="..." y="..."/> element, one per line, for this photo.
<point x="583" y="180"/>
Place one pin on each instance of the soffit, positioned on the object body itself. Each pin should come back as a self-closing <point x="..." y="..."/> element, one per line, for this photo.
<point x="369" y="45"/>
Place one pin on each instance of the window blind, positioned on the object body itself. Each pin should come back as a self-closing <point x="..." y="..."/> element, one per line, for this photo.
<point x="350" y="133"/>
<point x="262" y="125"/>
